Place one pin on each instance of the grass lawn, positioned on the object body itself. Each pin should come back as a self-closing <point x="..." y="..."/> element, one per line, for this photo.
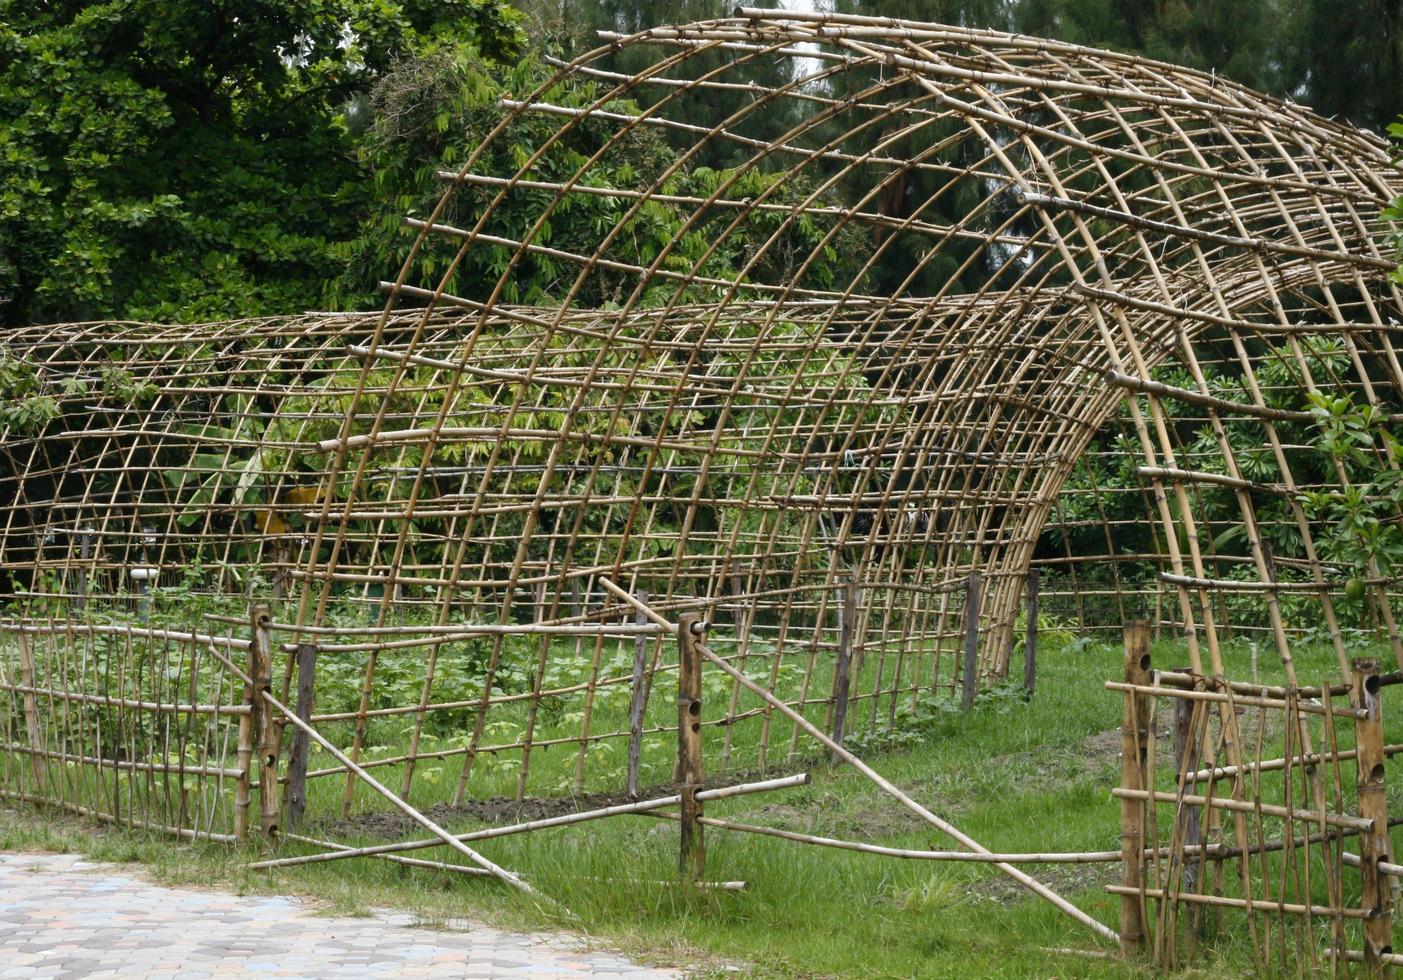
<point x="1016" y="776"/>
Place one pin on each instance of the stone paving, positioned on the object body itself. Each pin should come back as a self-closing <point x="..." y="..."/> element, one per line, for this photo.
<point x="63" y="917"/>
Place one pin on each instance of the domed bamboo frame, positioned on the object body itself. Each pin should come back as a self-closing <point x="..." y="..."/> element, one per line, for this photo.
<point x="744" y="447"/>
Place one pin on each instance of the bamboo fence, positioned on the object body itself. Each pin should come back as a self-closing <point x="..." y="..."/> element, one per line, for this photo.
<point x="1271" y="837"/>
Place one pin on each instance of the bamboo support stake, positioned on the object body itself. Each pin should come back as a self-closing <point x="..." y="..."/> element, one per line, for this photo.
<point x="248" y="727"/>
<point x="847" y="624"/>
<point x="1030" y="636"/>
<point x="692" y="859"/>
<point x="33" y="725"/>
<point x="638" y="700"/>
<point x="296" y="792"/>
<point x="1376" y="896"/>
<point x="260" y="670"/>
<point x="1134" y="716"/>
<point x="1186" y="748"/>
<point x="969" y="678"/>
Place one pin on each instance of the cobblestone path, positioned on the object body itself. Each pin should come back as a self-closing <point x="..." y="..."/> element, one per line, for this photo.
<point x="63" y="917"/>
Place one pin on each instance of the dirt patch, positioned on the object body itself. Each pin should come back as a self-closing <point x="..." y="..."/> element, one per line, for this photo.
<point x="1050" y="768"/>
<point x="1065" y="879"/>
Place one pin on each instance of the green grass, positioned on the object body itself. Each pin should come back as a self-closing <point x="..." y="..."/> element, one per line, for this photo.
<point x="1015" y="776"/>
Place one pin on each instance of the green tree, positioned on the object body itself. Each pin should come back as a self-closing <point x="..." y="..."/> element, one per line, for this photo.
<point x="184" y="161"/>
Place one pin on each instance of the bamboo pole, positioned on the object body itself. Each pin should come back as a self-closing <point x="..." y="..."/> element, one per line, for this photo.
<point x="847" y="624"/>
<point x="959" y="857"/>
<point x="1186" y="749"/>
<point x="564" y="820"/>
<point x="1244" y="806"/>
<point x="33" y="725"/>
<point x="1134" y="718"/>
<point x="1229" y="698"/>
<point x="637" y="702"/>
<point x="1374" y="845"/>
<point x="295" y="796"/>
<point x="969" y="678"/>
<point x="1223" y="901"/>
<point x="692" y="857"/>
<point x="262" y="721"/>
<point x="1030" y="635"/>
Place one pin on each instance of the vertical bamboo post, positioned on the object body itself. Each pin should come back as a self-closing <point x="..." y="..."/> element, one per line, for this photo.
<point x="280" y="576"/>
<point x="1030" y="639"/>
<point x="263" y="723"/>
<point x="85" y="549"/>
<point x="295" y="801"/>
<point x="842" y="682"/>
<point x="32" y="725"/>
<point x="242" y="786"/>
<point x="971" y="669"/>
<point x="1373" y="805"/>
<point x="1186" y="756"/>
<point x="689" y="746"/>
<point x="638" y="700"/>
<point x="1132" y="776"/>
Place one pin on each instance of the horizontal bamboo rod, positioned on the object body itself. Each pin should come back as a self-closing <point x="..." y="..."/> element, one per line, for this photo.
<point x="1356" y="956"/>
<point x="1275" y="765"/>
<point x="1260" y="905"/>
<point x="1170" y="678"/>
<point x="1263" y="245"/>
<point x="155" y="707"/>
<point x="1245" y="806"/>
<point x="964" y="857"/>
<point x="98" y="815"/>
<point x="1353" y="861"/>
<point x="1237" y="585"/>
<point x="118" y="764"/>
<point x="1245" y="700"/>
<point x="728" y="886"/>
<point x="1191" y="476"/>
<point x="428" y="635"/>
<point x="462" y="869"/>
<point x="562" y="820"/>
<point x="80" y="629"/>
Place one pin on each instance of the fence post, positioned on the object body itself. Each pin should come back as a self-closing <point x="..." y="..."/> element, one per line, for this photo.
<point x="842" y="680"/>
<point x="263" y="724"/>
<point x="33" y="727"/>
<point x="971" y="672"/>
<point x="638" y="700"/>
<point x="689" y="746"/>
<point x="1186" y="749"/>
<point x="1376" y="897"/>
<point x="295" y="800"/>
<point x="1030" y="638"/>
<point x="1133" y="735"/>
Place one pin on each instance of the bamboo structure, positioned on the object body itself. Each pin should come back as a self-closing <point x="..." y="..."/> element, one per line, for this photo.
<point x="940" y="328"/>
<point x="1291" y="855"/>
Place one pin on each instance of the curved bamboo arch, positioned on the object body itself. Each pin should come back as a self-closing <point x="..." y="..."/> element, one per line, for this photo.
<point x="1032" y="237"/>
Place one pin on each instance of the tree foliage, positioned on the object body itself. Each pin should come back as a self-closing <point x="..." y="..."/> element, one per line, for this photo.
<point x="185" y="161"/>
